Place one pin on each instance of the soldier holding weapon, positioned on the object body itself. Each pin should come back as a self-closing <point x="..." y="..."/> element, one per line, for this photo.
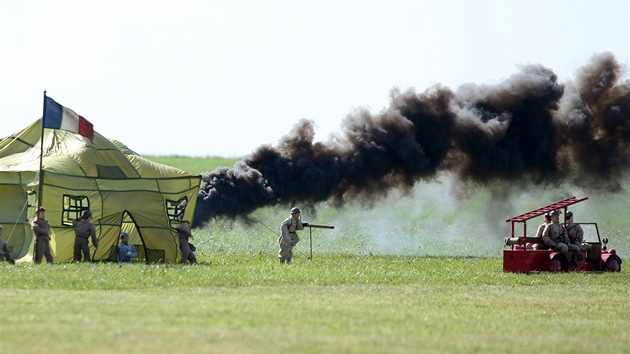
<point x="289" y="238"/>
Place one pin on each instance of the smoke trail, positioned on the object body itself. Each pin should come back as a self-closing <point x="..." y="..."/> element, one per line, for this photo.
<point x="529" y="129"/>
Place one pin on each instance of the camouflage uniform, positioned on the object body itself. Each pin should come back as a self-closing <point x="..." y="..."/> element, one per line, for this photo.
<point x="42" y="240"/>
<point x="289" y="237"/>
<point x="555" y="236"/>
<point x="83" y="229"/>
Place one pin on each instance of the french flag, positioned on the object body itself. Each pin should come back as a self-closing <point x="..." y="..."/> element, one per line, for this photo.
<point x="57" y="116"/>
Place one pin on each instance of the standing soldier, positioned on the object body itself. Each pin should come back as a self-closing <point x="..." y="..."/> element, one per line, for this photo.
<point x="83" y="229"/>
<point x="289" y="237"/>
<point x="555" y="236"/>
<point x="41" y="228"/>
<point x="188" y="255"/>
<point x="576" y="236"/>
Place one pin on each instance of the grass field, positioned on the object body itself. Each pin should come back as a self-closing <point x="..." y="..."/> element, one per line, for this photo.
<point x="249" y="303"/>
<point x="194" y="165"/>
<point x="375" y="284"/>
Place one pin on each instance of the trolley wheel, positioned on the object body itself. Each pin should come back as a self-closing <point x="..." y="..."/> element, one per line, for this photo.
<point x="556" y="265"/>
<point x="613" y="265"/>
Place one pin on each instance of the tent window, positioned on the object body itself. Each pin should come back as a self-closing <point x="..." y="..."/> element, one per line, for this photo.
<point x="109" y="172"/>
<point x="31" y="197"/>
<point x="175" y="210"/>
<point x="73" y="207"/>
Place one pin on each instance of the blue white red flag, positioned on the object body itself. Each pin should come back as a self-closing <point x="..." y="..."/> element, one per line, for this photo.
<point x="57" y="116"/>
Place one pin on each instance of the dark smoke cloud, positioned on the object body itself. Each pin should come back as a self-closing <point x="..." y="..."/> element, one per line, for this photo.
<point x="529" y="129"/>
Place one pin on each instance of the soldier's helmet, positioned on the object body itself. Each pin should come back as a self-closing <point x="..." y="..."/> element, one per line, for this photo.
<point x="295" y="210"/>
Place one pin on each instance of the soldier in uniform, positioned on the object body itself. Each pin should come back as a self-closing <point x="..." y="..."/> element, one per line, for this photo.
<point x="289" y="237"/>
<point x="41" y="228"/>
<point x="555" y="236"/>
<point x="4" y="248"/>
<point x="83" y="229"/>
<point x="188" y="254"/>
<point x="576" y="236"/>
<point x="541" y="228"/>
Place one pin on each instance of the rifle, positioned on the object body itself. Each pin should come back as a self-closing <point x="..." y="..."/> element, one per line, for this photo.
<point x="310" y="232"/>
<point x="317" y="226"/>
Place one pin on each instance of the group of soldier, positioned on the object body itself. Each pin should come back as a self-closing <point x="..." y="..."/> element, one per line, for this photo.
<point x="554" y="236"/>
<point x="557" y="237"/>
<point x="84" y="230"/>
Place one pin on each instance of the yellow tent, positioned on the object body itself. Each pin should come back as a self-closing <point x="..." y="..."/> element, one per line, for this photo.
<point x="124" y="191"/>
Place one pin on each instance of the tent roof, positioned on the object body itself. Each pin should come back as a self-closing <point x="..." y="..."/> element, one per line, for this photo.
<point x="72" y="154"/>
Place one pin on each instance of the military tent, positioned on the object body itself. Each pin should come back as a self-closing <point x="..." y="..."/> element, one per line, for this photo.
<point x="124" y="191"/>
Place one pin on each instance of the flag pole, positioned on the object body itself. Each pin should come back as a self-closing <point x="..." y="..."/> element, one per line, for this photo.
<point x="40" y="186"/>
<point x="41" y="159"/>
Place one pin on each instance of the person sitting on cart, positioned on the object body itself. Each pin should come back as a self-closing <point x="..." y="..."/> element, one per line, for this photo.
<point x="541" y="228"/>
<point x="555" y="236"/>
<point x="576" y="236"/>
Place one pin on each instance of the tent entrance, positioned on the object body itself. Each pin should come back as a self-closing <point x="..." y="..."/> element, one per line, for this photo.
<point x="15" y="207"/>
<point x="145" y="253"/>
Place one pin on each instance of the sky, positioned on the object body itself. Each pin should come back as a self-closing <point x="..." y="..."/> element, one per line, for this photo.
<point x="221" y="78"/>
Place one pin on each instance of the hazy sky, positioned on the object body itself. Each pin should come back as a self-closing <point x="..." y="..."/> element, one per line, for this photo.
<point x="224" y="77"/>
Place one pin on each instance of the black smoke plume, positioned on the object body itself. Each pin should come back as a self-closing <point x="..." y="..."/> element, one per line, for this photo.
<point x="529" y="129"/>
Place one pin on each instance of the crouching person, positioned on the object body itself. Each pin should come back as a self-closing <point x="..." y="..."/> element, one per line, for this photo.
<point x="188" y="250"/>
<point x="126" y="251"/>
<point x="4" y="247"/>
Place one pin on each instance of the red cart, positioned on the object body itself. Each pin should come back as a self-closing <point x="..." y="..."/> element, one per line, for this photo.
<point x="520" y="257"/>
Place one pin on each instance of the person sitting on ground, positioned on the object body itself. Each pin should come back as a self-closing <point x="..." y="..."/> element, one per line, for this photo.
<point x="576" y="237"/>
<point x="126" y="251"/>
<point x="4" y="247"/>
<point x="555" y="236"/>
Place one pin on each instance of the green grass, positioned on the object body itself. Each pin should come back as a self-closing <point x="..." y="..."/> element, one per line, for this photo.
<point x="420" y="274"/>
<point x="250" y="303"/>
<point x="194" y="165"/>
